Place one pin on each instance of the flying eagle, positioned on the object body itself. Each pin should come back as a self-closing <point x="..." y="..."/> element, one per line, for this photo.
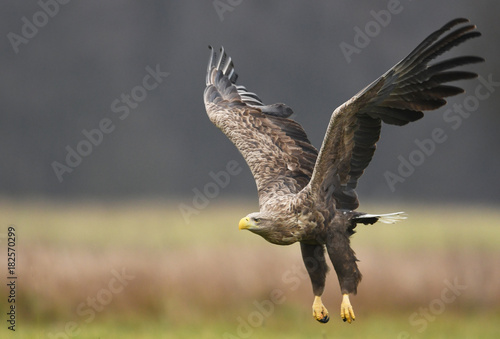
<point x="309" y="197"/>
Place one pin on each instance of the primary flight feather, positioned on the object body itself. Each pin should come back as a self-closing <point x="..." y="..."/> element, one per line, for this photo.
<point x="308" y="196"/>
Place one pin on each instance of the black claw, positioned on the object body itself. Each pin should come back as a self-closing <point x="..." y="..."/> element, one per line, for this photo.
<point x="344" y="319"/>
<point x="324" y="320"/>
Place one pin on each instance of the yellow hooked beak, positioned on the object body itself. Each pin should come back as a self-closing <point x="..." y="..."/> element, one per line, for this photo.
<point x="245" y="223"/>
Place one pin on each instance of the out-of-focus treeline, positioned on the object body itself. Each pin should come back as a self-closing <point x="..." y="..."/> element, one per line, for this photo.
<point x="104" y="99"/>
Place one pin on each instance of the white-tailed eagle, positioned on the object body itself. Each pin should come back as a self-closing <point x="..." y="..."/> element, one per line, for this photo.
<point x="309" y="197"/>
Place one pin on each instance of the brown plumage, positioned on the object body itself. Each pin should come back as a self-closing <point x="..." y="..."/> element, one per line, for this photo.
<point x="309" y="197"/>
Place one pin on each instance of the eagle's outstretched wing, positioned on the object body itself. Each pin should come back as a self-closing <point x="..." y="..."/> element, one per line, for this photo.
<point x="397" y="97"/>
<point x="275" y="148"/>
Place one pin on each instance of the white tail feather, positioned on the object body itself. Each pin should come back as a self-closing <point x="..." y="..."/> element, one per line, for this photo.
<point x="389" y="218"/>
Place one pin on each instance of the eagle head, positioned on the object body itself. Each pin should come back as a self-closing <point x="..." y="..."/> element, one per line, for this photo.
<point x="271" y="228"/>
<point x="255" y="222"/>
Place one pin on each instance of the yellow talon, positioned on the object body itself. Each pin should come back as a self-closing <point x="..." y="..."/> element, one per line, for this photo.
<point x="320" y="313"/>
<point x="346" y="311"/>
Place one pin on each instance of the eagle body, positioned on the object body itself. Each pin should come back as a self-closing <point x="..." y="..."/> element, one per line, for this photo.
<point x="308" y="196"/>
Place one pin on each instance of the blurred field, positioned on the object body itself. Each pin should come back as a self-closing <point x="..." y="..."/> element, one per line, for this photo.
<point x="206" y="279"/>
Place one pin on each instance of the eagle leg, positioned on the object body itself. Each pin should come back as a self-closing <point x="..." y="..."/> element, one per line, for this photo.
<point x="314" y="260"/>
<point x="320" y="313"/>
<point x="346" y="311"/>
<point x="344" y="262"/>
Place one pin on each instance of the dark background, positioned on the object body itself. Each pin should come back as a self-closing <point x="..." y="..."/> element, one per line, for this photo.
<point x="66" y="77"/>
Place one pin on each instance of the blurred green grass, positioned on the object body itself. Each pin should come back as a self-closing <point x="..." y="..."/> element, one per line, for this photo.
<point x="193" y="280"/>
<point x="289" y="323"/>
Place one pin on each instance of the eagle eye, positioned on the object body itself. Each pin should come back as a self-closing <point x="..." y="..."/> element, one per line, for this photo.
<point x="256" y="219"/>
